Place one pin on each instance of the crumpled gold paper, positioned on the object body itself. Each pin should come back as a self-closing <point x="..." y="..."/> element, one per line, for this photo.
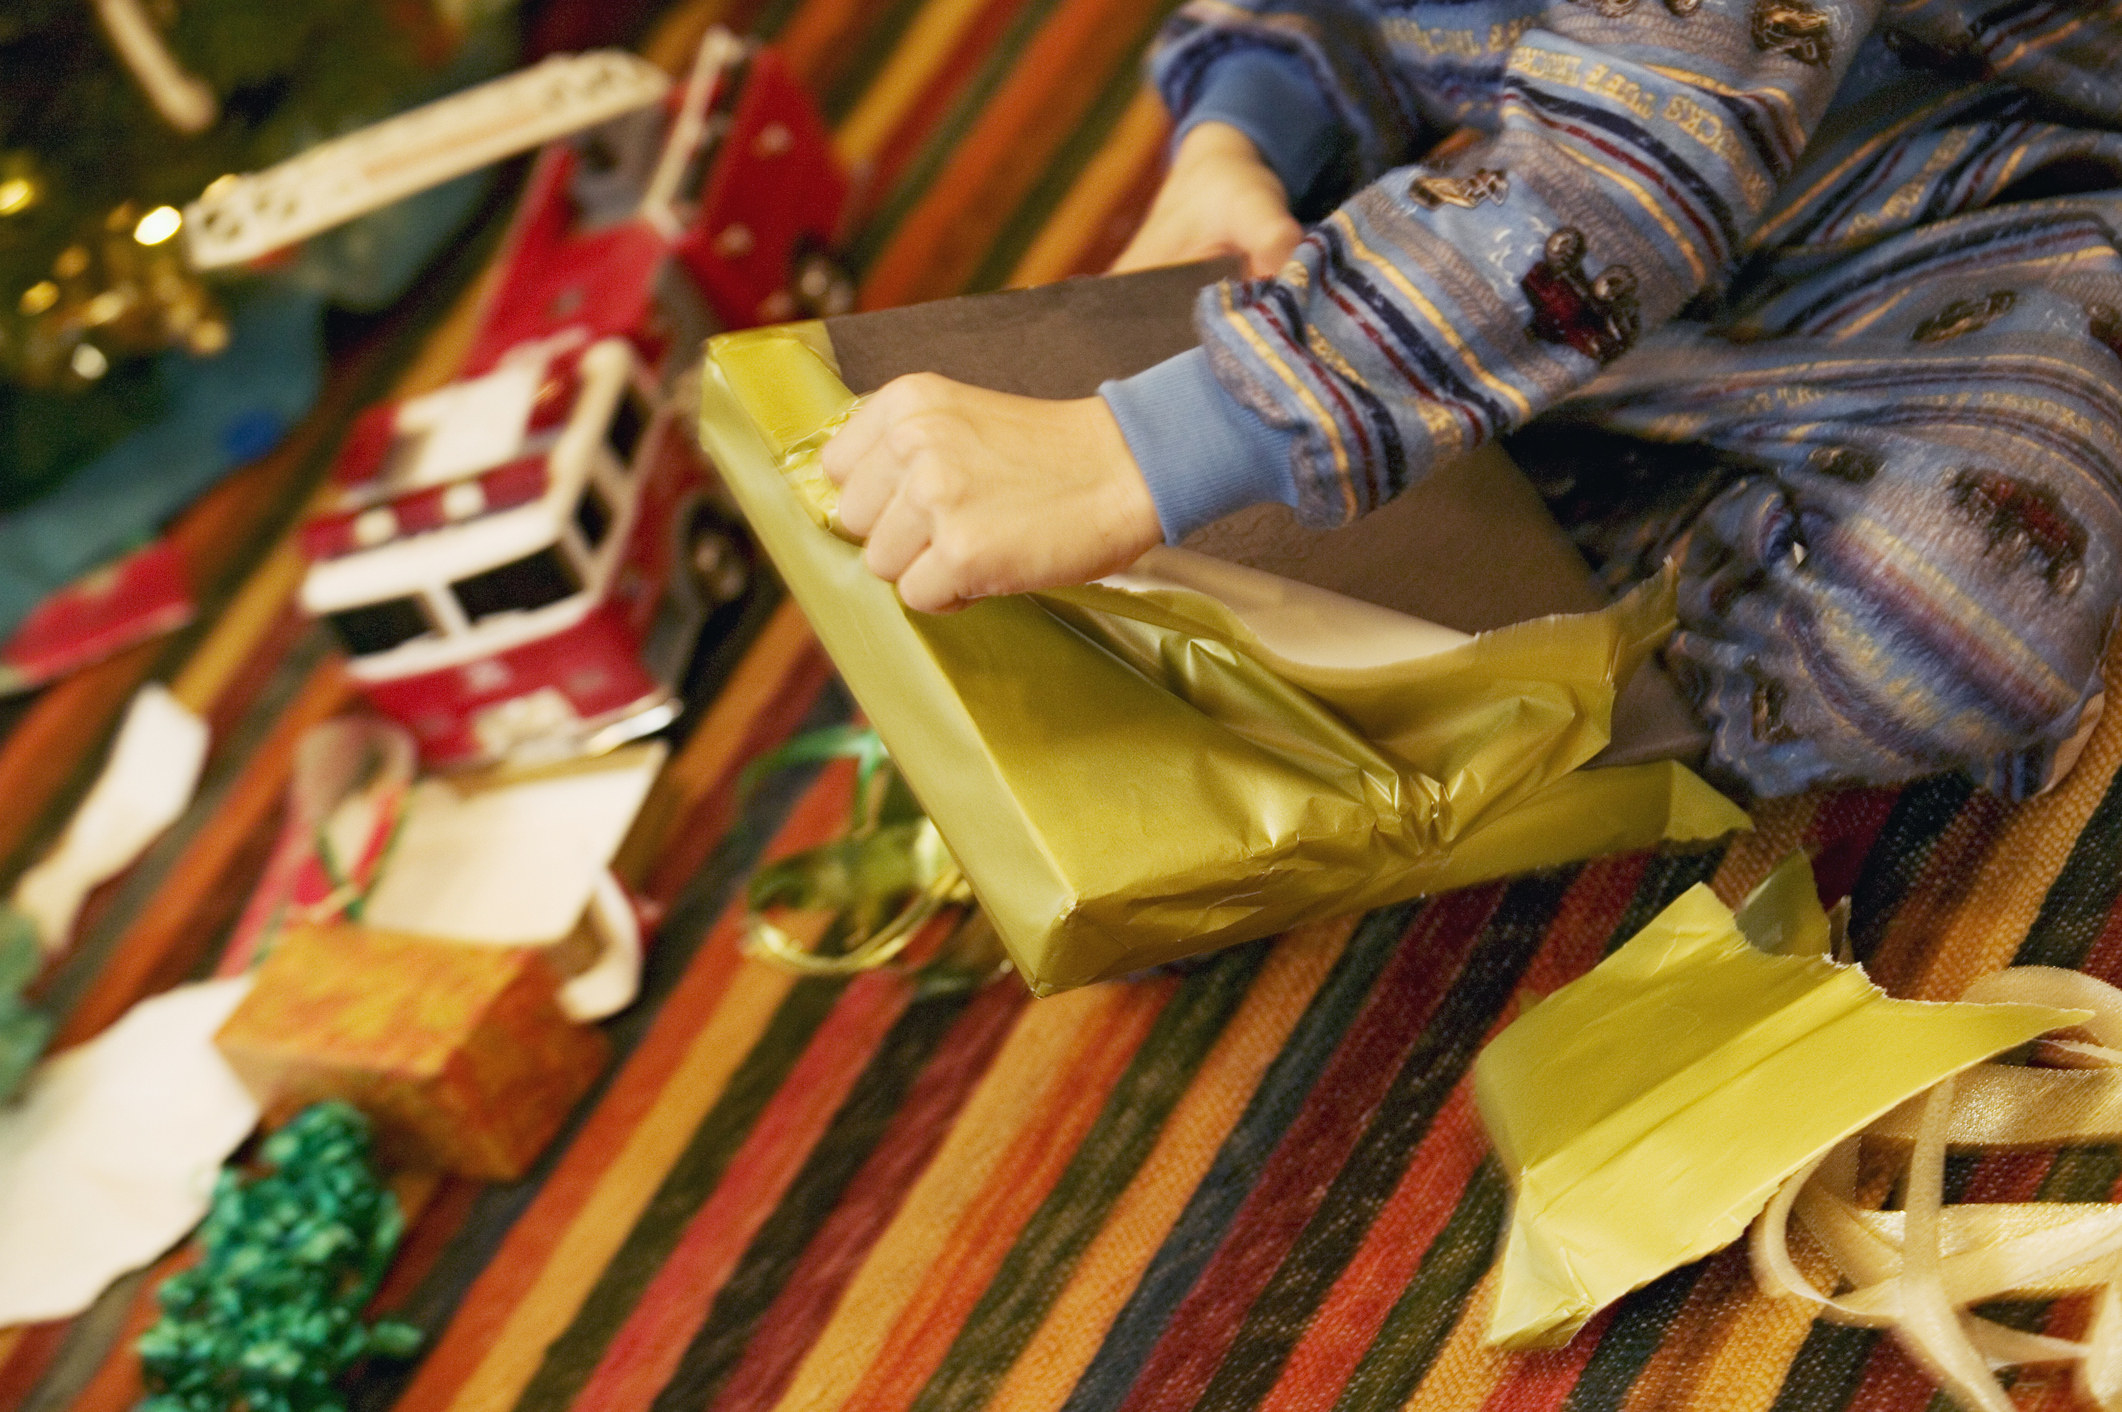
<point x="1647" y="1111"/>
<point x="1196" y="754"/>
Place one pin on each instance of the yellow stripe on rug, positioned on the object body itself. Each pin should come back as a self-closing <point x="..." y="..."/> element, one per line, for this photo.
<point x="1033" y="1062"/>
<point x="1111" y="1266"/>
<point x="1137" y="141"/>
<point x="623" y="1192"/>
<point x="914" y="62"/>
<point x="2022" y="864"/>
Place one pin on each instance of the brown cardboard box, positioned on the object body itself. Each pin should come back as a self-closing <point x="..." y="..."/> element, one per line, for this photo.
<point x="458" y="1053"/>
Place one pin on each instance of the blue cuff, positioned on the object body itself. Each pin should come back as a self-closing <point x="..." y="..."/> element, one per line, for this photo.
<point x="1271" y="97"/>
<point x="1203" y="452"/>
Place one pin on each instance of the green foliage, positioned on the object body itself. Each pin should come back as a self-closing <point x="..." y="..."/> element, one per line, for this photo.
<point x="23" y="1031"/>
<point x="271" y="1315"/>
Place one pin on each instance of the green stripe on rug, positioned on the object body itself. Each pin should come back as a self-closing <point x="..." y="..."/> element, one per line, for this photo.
<point x="574" y="1355"/>
<point x="1399" y="1358"/>
<point x="1665" y="879"/>
<point x="1039" y="1264"/>
<point x="872" y="53"/>
<point x="1900" y="854"/>
<point x="1827" y="1370"/>
<point x="2075" y="911"/>
<point x="1451" y="1034"/>
<point x="1030" y="219"/>
<point x="855" y="1130"/>
<point x="1633" y="1337"/>
<point x="927" y="164"/>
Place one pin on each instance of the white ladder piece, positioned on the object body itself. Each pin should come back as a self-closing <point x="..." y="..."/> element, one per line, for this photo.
<point x="240" y="218"/>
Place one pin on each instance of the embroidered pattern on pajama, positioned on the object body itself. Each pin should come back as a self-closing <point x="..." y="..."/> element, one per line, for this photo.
<point x="1852" y="267"/>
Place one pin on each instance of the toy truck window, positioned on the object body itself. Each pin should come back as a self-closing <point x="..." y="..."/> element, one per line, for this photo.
<point x="378" y="627"/>
<point x="612" y="165"/>
<point x="534" y="581"/>
<point x="623" y="433"/>
<point x="593" y="516"/>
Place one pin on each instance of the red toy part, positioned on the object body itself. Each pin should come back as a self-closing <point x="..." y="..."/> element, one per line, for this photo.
<point x="556" y="278"/>
<point x="138" y="597"/>
<point x="583" y="675"/>
<point x="775" y="195"/>
<point x="503" y="488"/>
<point x="767" y="198"/>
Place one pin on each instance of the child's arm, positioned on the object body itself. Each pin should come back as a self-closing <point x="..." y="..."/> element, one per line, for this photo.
<point x="1638" y="144"/>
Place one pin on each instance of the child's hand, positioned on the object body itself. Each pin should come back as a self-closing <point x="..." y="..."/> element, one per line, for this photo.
<point x="1218" y="199"/>
<point x="963" y="493"/>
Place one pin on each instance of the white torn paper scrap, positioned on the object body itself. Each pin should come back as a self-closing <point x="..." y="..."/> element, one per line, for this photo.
<point x="109" y="1156"/>
<point x="152" y="773"/>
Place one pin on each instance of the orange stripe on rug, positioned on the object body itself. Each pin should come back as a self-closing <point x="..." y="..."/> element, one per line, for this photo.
<point x="1112" y="1264"/>
<point x="1105" y="190"/>
<point x="1467" y="1370"/>
<point x="967" y="1264"/>
<point x="941" y="241"/>
<point x="1036" y="1064"/>
<point x="2023" y="861"/>
<point x="649" y="1346"/>
<point x="1347" y="1321"/>
<point x="934" y="38"/>
<point x="212" y="877"/>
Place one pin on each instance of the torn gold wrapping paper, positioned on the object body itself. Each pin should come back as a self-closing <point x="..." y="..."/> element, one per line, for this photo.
<point x="1207" y="754"/>
<point x="1647" y="1111"/>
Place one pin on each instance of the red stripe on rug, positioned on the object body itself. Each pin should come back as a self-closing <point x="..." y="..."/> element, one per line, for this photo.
<point x="1297" y="1177"/>
<point x="207" y="886"/>
<point x="531" y="1241"/>
<point x="1542" y="1382"/>
<point x="1892" y="1382"/>
<point x="1120" y="220"/>
<point x="1020" y="1182"/>
<point x="1840" y="836"/>
<point x="1348" y="1319"/>
<point x="431" y="1232"/>
<point x="2103" y="959"/>
<point x="649" y="1346"/>
<point x="30" y="1359"/>
<point x="805" y="1305"/>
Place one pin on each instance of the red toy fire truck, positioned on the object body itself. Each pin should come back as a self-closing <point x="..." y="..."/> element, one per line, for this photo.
<point x="521" y="563"/>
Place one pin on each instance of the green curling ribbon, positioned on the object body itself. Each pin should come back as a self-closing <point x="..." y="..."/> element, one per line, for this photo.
<point x="271" y="1315"/>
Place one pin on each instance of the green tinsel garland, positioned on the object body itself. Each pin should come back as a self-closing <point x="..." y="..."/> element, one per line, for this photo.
<point x="271" y="1315"/>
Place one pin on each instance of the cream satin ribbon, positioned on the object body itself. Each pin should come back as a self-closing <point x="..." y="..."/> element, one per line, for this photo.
<point x="1917" y="1270"/>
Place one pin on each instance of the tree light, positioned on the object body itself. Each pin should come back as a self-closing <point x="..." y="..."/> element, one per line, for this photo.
<point x="158" y="225"/>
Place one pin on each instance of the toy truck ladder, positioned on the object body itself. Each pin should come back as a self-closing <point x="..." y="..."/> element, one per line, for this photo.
<point x="240" y="218"/>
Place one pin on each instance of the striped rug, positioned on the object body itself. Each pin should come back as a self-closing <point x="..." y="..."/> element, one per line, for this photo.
<point x="1258" y="1183"/>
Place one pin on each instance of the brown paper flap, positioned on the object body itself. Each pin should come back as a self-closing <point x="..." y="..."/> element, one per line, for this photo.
<point x="1472" y="547"/>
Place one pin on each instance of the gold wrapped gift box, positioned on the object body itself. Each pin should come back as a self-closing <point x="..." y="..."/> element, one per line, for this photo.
<point x="1133" y="774"/>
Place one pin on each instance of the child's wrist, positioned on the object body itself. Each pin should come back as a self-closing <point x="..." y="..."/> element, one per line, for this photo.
<point x="1216" y="141"/>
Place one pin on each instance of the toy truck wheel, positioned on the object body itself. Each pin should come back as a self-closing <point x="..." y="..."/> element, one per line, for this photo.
<point x="716" y="558"/>
<point x="822" y="285"/>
